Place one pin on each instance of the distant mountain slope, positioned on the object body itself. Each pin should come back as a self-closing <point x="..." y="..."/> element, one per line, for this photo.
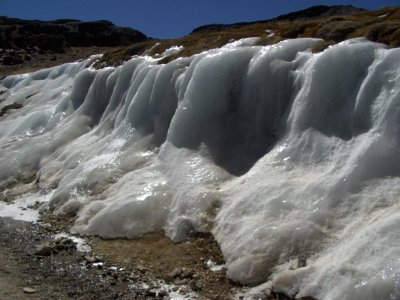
<point x="320" y="11"/>
<point x="314" y="12"/>
<point x="30" y="45"/>
<point x="59" y="34"/>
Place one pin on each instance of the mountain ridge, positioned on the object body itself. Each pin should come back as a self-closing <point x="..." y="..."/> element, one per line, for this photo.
<point x="313" y="12"/>
<point x="57" y="35"/>
<point x="332" y="24"/>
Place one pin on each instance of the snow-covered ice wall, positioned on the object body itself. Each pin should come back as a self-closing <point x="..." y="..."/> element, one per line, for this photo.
<point x="284" y="155"/>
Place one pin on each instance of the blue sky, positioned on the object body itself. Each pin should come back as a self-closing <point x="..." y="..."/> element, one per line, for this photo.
<point x="167" y="18"/>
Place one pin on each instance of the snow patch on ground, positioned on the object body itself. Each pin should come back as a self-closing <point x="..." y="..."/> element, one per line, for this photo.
<point x="172" y="50"/>
<point x="24" y="208"/>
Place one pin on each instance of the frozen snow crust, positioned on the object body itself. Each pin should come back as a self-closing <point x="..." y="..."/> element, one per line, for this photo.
<point x="284" y="155"/>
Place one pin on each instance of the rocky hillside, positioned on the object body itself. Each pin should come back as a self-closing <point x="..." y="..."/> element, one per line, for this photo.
<point x="31" y="44"/>
<point x="58" y="35"/>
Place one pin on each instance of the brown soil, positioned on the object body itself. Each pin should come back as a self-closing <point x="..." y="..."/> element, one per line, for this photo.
<point x="156" y="256"/>
<point x="62" y="275"/>
<point x="129" y="269"/>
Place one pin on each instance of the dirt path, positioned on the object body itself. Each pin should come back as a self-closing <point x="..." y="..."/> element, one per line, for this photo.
<point x="11" y="286"/>
<point x="61" y="274"/>
<point x="33" y="258"/>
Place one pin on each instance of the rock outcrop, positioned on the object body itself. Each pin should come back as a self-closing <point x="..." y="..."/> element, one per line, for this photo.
<point x="57" y="35"/>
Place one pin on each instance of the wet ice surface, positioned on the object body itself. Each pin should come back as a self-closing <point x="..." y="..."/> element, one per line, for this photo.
<point x="281" y="153"/>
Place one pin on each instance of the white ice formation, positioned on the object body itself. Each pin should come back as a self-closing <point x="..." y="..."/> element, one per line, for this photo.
<point x="284" y="155"/>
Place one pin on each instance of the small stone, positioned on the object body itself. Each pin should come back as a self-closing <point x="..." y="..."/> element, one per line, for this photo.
<point x="187" y="273"/>
<point x="174" y="288"/>
<point x="58" y="239"/>
<point x="301" y="262"/>
<point x="43" y="250"/>
<point x="67" y="241"/>
<point x="196" y="285"/>
<point x="181" y="281"/>
<point x="162" y="293"/>
<point x="133" y="277"/>
<point x="151" y="293"/>
<point x="176" y="273"/>
<point x="28" y="290"/>
<point x="141" y="268"/>
<point x="71" y="294"/>
<point x="89" y="259"/>
<point x="183" y="290"/>
<point x="99" y="258"/>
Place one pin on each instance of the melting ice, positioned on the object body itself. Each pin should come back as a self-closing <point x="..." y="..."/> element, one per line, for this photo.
<point x="287" y="157"/>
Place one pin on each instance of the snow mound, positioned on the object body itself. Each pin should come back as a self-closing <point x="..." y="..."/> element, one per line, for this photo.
<point x="284" y="155"/>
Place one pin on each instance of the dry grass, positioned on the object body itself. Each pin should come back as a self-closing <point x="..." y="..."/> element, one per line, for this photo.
<point x="116" y="56"/>
<point x="381" y="26"/>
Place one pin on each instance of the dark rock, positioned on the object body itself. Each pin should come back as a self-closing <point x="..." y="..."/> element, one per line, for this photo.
<point x="187" y="273"/>
<point x="301" y="261"/>
<point x="196" y="285"/>
<point x="58" y="35"/>
<point x="133" y="277"/>
<point x="65" y="243"/>
<point x="162" y="293"/>
<point x="113" y="282"/>
<point x="141" y="269"/>
<point x="176" y="273"/>
<point x="11" y="60"/>
<point x="151" y="293"/>
<point x="183" y="290"/>
<point x="44" y="250"/>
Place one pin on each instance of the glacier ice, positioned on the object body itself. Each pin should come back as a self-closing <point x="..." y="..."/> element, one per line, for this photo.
<point x="283" y="154"/>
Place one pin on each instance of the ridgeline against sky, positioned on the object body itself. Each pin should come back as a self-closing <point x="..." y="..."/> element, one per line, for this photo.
<point x="167" y="19"/>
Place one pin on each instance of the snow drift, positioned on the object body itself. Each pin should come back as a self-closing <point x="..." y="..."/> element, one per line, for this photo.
<point x="291" y="159"/>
